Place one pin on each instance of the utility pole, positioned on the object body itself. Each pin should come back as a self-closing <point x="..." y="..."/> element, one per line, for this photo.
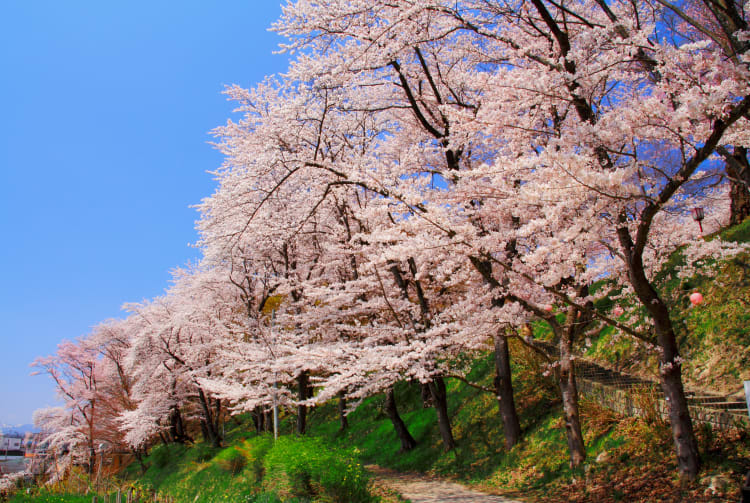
<point x="275" y="411"/>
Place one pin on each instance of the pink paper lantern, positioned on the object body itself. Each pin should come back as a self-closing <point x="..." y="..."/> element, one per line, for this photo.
<point x="696" y="298"/>
<point x="618" y="311"/>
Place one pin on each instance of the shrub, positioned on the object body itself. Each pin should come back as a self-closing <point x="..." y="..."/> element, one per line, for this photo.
<point x="307" y="467"/>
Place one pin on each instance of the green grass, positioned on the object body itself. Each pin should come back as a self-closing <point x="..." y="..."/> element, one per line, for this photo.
<point x="715" y="335"/>
<point x="327" y="464"/>
<point x="254" y="468"/>
<point x="310" y="467"/>
<point x="46" y="497"/>
<point x="198" y="473"/>
<point x="638" y="462"/>
<point x="251" y="469"/>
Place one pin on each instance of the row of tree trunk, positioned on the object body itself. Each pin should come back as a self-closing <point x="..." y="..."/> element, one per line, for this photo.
<point x="434" y="395"/>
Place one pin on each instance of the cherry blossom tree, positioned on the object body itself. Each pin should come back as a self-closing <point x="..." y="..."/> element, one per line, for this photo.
<point x="328" y="211"/>
<point x="725" y="26"/>
<point x="605" y="126"/>
<point x="74" y="427"/>
<point x="176" y="342"/>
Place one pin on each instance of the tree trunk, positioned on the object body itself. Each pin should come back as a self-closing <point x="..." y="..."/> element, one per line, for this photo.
<point x="268" y="421"/>
<point x="504" y="389"/>
<point x="670" y="376"/>
<point x="218" y="427"/>
<point x="205" y="431"/>
<point x="139" y="457"/>
<point x="407" y="441"/>
<point x="261" y="421"/>
<point x="172" y="431"/>
<point x="176" y="426"/>
<point x="688" y="457"/>
<point x="256" y="415"/>
<point x="738" y="170"/>
<point x="208" y="424"/>
<point x="182" y="430"/>
<point x="440" y="399"/>
<point x="503" y="382"/>
<point x="212" y="435"/>
<point x="342" y="412"/>
<point x="302" y="388"/>
<point x="566" y="379"/>
<point x="427" y="400"/>
<point x="670" y="372"/>
<point x="92" y="460"/>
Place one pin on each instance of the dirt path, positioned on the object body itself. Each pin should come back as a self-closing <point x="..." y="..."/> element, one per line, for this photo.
<point x="420" y="489"/>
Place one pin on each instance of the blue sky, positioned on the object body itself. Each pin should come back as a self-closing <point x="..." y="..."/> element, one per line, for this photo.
<point x="105" y="109"/>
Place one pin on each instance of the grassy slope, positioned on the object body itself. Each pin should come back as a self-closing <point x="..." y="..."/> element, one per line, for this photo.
<point x="197" y="474"/>
<point x="250" y="469"/>
<point x="254" y="468"/>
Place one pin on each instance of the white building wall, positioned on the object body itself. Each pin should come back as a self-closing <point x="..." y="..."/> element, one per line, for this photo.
<point x="10" y="443"/>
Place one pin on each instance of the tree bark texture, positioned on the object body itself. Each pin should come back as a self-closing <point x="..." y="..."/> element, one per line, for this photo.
<point x="504" y="389"/>
<point x="738" y="170"/>
<point x="177" y="432"/>
<point x="427" y="401"/>
<point x="407" y="441"/>
<point x="688" y="456"/>
<point x="268" y="421"/>
<point x="92" y="460"/>
<point x="670" y="371"/>
<point x="211" y="419"/>
<point x="342" y="412"/>
<point x="503" y="383"/>
<point x="257" y="416"/>
<point x="566" y="379"/>
<point x="440" y="399"/>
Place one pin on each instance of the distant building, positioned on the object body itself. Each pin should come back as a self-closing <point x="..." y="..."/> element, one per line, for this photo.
<point x="11" y="443"/>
